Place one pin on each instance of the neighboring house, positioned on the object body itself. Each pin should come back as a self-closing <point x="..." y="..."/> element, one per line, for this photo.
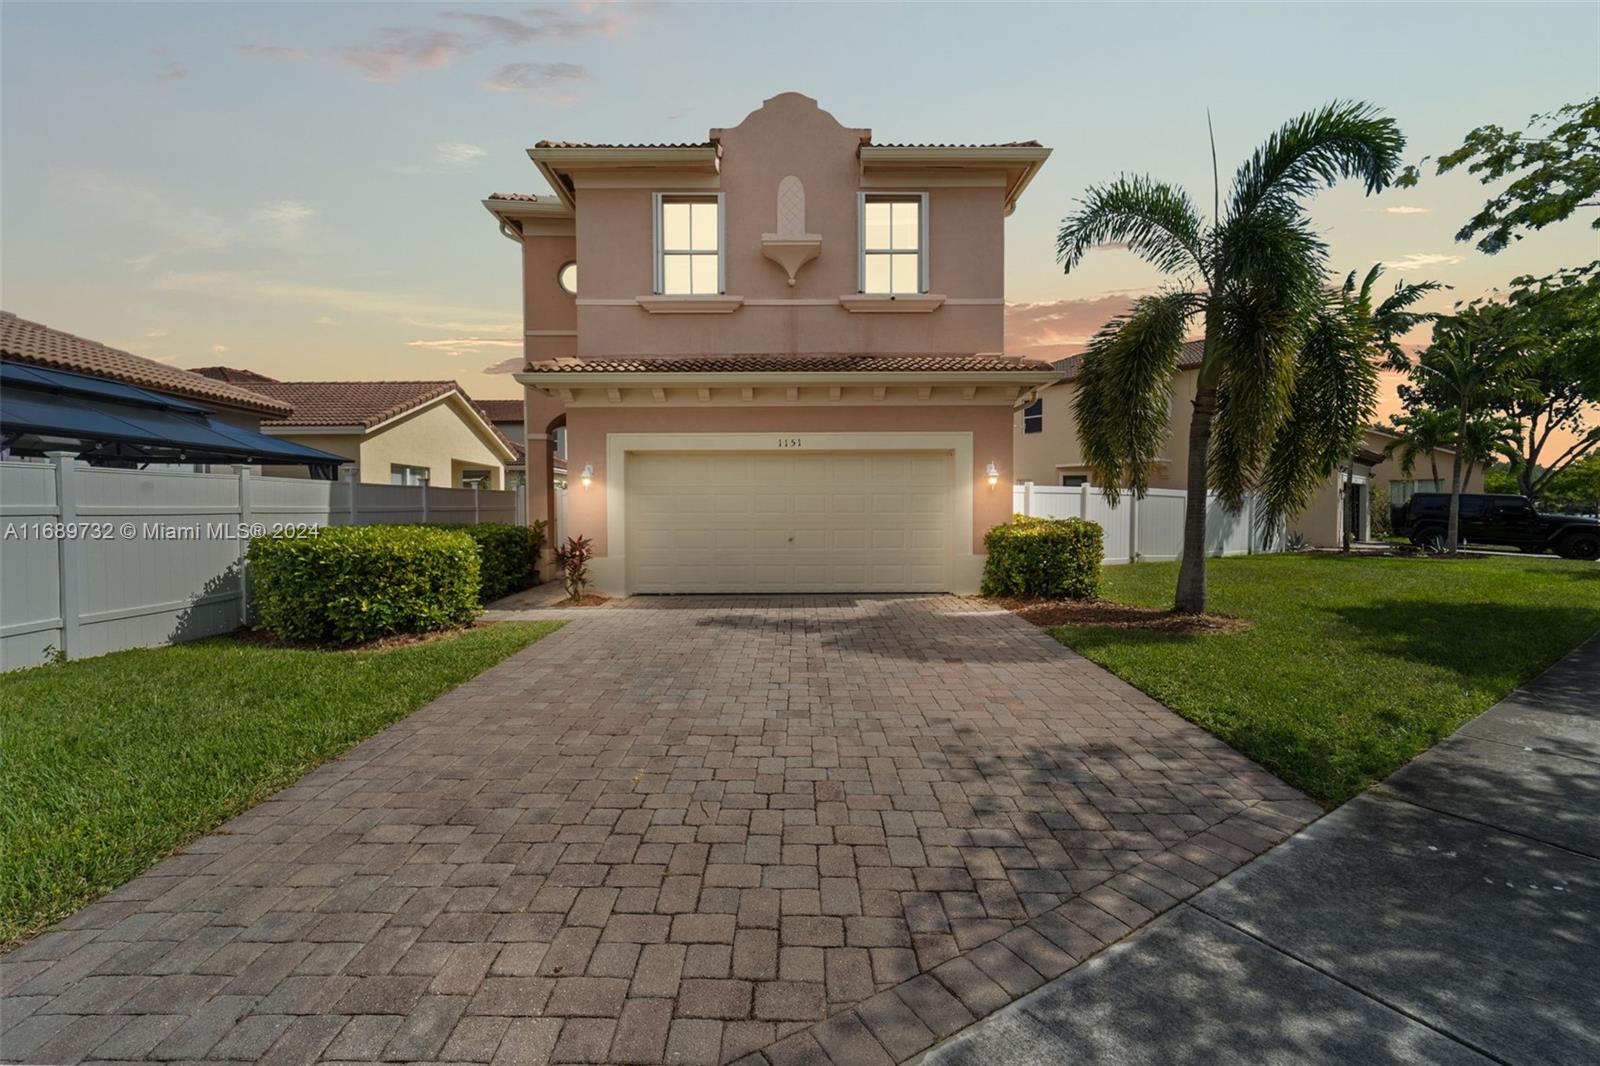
<point x="508" y="417"/>
<point x="395" y="432"/>
<point x="1048" y="453"/>
<point x="781" y="370"/>
<point x="61" y="392"/>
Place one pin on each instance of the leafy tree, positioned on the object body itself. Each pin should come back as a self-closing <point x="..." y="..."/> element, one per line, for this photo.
<point x="1253" y="276"/>
<point x="1335" y="392"/>
<point x="1421" y="431"/>
<point x="1556" y="161"/>
<point x="1466" y="367"/>
<point x="1550" y="326"/>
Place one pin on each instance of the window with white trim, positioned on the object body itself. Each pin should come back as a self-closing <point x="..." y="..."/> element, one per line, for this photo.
<point x="1033" y="417"/>
<point x="1074" y="481"/>
<point x="894" y="242"/>
<point x="688" y="244"/>
<point x="400" y="474"/>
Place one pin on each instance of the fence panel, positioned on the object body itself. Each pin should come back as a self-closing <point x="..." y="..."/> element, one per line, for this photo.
<point x="1149" y="529"/>
<point x="98" y="559"/>
<point x="30" y="565"/>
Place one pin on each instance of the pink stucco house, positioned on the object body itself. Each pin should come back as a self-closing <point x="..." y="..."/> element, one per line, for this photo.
<point x="778" y="354"/>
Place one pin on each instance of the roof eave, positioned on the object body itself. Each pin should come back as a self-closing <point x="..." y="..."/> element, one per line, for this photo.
<point x="1021" y="163"/>
<point x="641" y="379"/>
<point x="557" y="163"/>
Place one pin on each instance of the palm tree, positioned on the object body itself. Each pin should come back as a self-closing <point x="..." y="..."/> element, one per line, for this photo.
<point x="1252" y="275"/>
<point x="1335" y="392"/>
<point x="1463" y="366"/>
<point x="1421" y="431"/>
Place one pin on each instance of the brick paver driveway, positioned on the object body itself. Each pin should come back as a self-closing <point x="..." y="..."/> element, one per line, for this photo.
<point x="683" y="830"/>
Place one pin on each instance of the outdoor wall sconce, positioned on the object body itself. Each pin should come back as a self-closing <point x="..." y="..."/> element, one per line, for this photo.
<point x="993" y="474"/>
<point x="587" y="475"/>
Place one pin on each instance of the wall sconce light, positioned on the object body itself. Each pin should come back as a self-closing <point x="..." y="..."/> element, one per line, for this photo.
<point x="993" y="474"/>
<point x="587" y="475"/>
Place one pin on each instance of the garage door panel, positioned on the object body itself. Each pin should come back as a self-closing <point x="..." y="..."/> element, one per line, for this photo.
<point x="770" y="522"/>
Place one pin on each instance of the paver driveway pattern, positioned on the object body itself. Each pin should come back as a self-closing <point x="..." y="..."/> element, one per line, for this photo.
<point x="685" y="830"/>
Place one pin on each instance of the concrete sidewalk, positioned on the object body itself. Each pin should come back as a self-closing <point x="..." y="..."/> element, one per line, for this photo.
<point x="1451" y="915"/>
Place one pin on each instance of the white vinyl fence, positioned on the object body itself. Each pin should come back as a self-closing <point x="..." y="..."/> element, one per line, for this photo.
<point x="1150" y="529"/>
<point x="94" y="560"/>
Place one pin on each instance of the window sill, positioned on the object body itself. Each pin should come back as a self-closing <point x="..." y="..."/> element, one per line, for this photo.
<point x="690" y="305"/>
<point x="863" y="303"/>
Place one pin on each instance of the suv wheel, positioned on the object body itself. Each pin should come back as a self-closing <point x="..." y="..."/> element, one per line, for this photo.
<point x="1584" y="546"/>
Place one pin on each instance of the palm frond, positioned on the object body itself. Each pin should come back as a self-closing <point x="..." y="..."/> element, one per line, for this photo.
<point x="1272" y="251"/>
<point x="1335" y="390"/>
<point x="1345" y="139"/>
<point x="1155" y="220"/>
<point x="1124" y="394"/>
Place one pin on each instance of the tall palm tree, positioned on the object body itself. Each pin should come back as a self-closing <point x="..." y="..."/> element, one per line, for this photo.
<point x="1335" y="392"/>
<point x="1421" y="431"/>
<point x="1252" y="275"/>
<point x="1465" y="367"/>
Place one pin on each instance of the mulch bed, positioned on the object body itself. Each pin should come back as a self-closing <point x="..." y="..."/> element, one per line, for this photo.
<point x="588" y="600"/>
<point x="264" y="639"/>
<point x="1048" y="613"/>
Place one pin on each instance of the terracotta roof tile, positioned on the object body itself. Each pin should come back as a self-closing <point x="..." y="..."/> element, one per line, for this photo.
<point x="1001" y="144"/>
<point x="1189" y="357"/>
<point x="232" y="374"/>
<point x="351" y="403"/>
<point x="30" y="342"/>
<point x="501" y="410"/>
<point x="521" y="197"/>
<point x="790" y="364"/>
<point x="592" y="144"/>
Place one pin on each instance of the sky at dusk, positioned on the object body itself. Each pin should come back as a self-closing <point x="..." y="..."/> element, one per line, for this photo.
<point x="294" y="188"/>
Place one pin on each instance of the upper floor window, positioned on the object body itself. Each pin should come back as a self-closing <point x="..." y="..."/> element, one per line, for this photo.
<point x="688" y="245"/>
<point x="1033" y="417"/>
<point x="894" y="242"/>
<point x="567" y="278"/>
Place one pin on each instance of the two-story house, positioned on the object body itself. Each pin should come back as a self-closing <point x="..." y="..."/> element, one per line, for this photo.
<point x="780" y="367"/>
<point x="1048" y="453"/>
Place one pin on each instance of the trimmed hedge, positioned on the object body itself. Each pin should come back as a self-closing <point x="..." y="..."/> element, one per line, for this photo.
<point x="507" y="556"/>
<point x="1044" y="558"/>
<point x="349" y="584"/>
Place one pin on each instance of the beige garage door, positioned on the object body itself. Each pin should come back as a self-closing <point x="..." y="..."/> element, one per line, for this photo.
<point x="789" y="522"/>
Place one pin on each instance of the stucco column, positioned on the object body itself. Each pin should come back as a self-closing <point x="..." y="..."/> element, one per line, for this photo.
<point x="539" y="490"/>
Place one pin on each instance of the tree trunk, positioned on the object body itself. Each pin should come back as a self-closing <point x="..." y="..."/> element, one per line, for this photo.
<point x="1433" y="464"/>
<point x="1191" y="596"/>
<point x="1451" y="536"/>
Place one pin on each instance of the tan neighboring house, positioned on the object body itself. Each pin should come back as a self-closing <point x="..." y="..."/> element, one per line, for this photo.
<point x="395" y="432"/>
<point x="780" y="368"/>
<point x="509" y="417"/>
<point x="1048" y="453"/>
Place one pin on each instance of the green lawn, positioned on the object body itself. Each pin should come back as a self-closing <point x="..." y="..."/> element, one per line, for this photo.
<point x="1354" y="665"/>
<point x="109" y="764"/>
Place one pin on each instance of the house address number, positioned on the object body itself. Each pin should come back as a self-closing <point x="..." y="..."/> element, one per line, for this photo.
<point x="789" y="442"/>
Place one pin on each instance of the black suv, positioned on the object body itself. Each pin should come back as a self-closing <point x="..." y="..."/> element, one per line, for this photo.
<point x="1509" y="520"/>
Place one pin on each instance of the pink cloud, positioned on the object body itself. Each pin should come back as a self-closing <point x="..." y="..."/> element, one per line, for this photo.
<point x="545" y="23"/>
<point x="534" y="77"/>
<point x="505" y="366"/>
<point x="1055" y="329"/>
<point x="395" y="50"/>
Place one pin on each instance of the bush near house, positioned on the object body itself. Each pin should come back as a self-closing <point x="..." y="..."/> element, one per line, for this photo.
<point x="1044" y="558"/>
<point x="507" y="556"/>
<point x="349" y="584"/>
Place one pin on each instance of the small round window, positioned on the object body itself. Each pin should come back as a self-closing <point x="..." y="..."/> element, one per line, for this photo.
<point x="567" y="278"/>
